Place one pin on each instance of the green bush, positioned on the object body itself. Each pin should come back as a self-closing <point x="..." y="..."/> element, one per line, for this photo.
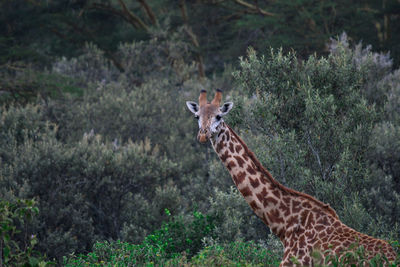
<point x="313" y="124"/>
<point x="17" y="242"/>
<point x="23" y="83"/>
<point x="238" y="254"/>
<point x="178" y="235"/>
<point x="85" y="190"/>
<point x="105" y="163"/>
<point x="125" y="254"/>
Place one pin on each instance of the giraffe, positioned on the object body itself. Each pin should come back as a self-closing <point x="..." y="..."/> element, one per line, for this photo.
<point x="301" y="222"/>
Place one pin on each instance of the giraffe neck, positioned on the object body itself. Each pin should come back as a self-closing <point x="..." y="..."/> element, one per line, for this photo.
<point x="278" y="206"/>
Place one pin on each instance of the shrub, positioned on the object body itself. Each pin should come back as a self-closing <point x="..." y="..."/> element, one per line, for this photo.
<point x="236" y="254"/>
<point x="312" y="123"/>
<point x="178" y="235"/>
<point x="104" y="164"/>
<point x="22" y="84"/>
<point x="125" y="254"/>
<point x="234" y="219"/>
<point x="17" y="242"/>
<point x="84" y="189"/>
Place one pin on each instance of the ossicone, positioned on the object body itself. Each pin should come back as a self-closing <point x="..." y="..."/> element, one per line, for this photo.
<point x="203" y="98"/>
<point x="217" y="98"/>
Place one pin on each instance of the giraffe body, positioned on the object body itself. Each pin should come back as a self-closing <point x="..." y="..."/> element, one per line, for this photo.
<point x="302" y="223"/>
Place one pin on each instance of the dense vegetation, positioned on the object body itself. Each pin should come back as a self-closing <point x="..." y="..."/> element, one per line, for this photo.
<point x="98" y="158"/>
<point x="217" y="31"/>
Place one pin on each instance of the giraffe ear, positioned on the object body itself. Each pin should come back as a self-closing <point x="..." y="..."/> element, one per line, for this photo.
<point x="226" y="107"/>
<point x="192" y="106"/>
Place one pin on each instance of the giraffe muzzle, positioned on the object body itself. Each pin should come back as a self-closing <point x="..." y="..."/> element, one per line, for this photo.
<point x="203" y="136"/>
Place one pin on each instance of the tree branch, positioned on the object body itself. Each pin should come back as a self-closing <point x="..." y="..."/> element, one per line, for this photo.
<point x="132" y="16"/>
<point x="316" y="155"/>
<point x="182" y="6"/>
<point x="254" y="8"/>
<point x="195" y="42"/>
<point x="149" y="12"/>
<point x="85" y="32"/>
<point x="116" y="12"/>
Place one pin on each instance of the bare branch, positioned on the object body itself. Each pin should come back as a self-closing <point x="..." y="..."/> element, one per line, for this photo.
<point x="254" y="8"/>
<point x="85" y="32"/>
<point x="182" y="6"/>
<point x="195" y="42"/>
<point x="192" y="36"/>
<point x="114" y="11"/>
<point x="316" y="155"/>
<point x="132" y="16"/>
<point x="149" y="12"/>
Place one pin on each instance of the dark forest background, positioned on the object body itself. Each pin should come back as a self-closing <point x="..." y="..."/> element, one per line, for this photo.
<point x="218" y="31"/>
<point x="98" y="152"/>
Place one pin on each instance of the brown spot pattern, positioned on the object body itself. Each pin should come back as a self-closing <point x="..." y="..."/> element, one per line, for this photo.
<point x="310" y="221"/>
<point x="336" y="224"/>
<point x="274" y="216"/>
<point x="306" y="260"/>
<point x="284" y="208"/>
<point x="261" y="195"/>
<point x="254" y="182"/>
<point x="231" y="164"/>
<point x="225" y="156"/>
<point x="240" y="161"/>
<point x="246" y="191"/>
<point x="296" y="206"/>
<point x="294" y="219"/>
<point x="231" y="147"/>
<point x="306" y="205"/>
<point x="240" y="177"/>
<point x="219" y="147"/>
<point x="251" y="170"/>
<point x="263" y="180"/>
<point x="323" y="220"/>
<point x="253" y="165"/>
<point x="238" y="148"/>
<point x="268" y="200"/>
<point x="253" y="205"/>
<point x="303" y="216"/>
<point x="276" y="193"/>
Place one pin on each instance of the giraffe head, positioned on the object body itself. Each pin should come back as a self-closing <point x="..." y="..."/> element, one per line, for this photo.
<point x="209" y="115"/>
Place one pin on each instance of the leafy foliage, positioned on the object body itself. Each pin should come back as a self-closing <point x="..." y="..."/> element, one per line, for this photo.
<point x="105" y="163"/>
<point x="17" y="243"/>
<point x="177" y="236"/>
<point x="176" y="243"/>
<point x="313" y="124"/>
<point x="39" y="31"/>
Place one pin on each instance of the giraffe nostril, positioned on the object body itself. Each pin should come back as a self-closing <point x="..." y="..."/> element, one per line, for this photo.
<point x="203" y="135"/>
<point x="203" y="131"/>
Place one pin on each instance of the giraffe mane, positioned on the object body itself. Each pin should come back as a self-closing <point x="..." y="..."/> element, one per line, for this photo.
<point x="261" y="168"/>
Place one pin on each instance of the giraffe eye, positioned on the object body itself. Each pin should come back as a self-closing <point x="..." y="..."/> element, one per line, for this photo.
<point x="218" y="117"/>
